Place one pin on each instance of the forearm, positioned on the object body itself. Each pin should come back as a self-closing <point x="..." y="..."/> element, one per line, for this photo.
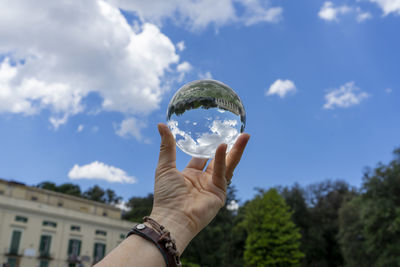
<point x="134" y="251"/>
<point x="137" y="251"/>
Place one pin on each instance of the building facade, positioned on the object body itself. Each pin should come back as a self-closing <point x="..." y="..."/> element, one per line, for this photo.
<point x="41" y="228"/>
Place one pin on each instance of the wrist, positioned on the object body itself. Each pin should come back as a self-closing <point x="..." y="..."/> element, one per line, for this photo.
<point x="180" y="227"/>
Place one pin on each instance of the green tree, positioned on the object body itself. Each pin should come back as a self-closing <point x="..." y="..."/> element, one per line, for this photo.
<point x="139" y="207"/>
<point x="373" y="230"/>
<point x="95" y="193"/>
<point x="111" y="197"/>
<point x="315" y="211"/>
<point x="213" y="246"/>
<point x="48" y="186"/>
<point x="272" y="237"/>
<point x="70" y="189"/>
<point x="351" y="234"/>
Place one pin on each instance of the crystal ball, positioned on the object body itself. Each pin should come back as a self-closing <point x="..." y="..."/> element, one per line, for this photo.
<point x="204" y="114"/>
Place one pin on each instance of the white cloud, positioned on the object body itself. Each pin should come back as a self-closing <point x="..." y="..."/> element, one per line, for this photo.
<point x="197" y="14"/>
<point x="346" y="96"/>
<point x="207" y="75"/>
<point x="388" y="6"/>
<point x="184" y="67"/>
<point x="80" y="128"/>
<point x="62" y="51"/>
<point x="205" y="145"/>
<point x="255" y="12"/>
<point x="181" y="46"/>
<point x="388" y="90"/>
<point x="100" y="171"/>
<point x="131" y="127"/>
<point x="362" y="16"/>
<point x="330" y="13"/>
<point x="281" y="88"/>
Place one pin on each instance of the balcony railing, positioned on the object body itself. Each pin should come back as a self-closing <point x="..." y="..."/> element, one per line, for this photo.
<point x="45" y="255"/>
<point x="73" y="258"/>
<point x="12" y="252"/>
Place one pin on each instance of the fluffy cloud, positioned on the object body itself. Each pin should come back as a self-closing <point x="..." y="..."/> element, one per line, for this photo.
<point x="205" y="144"/>
<point x="62" y="51"/>
<point x="197" y="14"/>
<point x="281" y="88"/>
<point x="131" y="127"/>
<point x="330" y="12"/>
<point x="388" y="6"/>
<point x="346" y="96"/>
<point x="100" y="171"/>
<point x="181" y="46"/>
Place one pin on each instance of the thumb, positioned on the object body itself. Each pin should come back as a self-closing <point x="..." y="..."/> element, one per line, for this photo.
<point x="167" y="156"/>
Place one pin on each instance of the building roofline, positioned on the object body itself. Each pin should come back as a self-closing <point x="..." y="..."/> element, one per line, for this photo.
<point x="71" y="197"/>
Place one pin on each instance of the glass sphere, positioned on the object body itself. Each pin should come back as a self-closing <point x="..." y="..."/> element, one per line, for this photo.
<point x="204" y="114"/>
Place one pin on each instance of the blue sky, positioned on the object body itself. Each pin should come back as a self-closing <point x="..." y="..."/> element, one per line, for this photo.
<point x="83" y="86"/>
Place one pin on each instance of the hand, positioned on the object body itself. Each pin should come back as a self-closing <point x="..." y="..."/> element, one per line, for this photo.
<point x="185" y="202"/>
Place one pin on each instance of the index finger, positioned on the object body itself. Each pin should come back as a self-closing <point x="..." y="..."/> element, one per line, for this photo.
<point x="234" y="156"/>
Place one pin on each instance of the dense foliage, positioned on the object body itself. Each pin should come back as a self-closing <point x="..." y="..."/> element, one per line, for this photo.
<point x="94" y="193"/>
<point x="325" y="224"/>
<point x="272" y="237"/>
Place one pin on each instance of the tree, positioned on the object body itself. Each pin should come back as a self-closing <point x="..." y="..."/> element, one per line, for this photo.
<point x="315" y="211"/>
<point x="95" y="193"/>
<point x="351" y="234"/>
<point x="70" y="189"/>
<point x="139" y="207"/>
<point x="112" y="198"/>
<point x="272" y="237"/>
<point x="213" y="246"/>
<point x="373" y="230"/>
<point x="48" y="186"/>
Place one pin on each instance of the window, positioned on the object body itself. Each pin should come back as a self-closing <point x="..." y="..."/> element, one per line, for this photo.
<point x="105" y="214"/>
<point x="74" y="247"/>
<point x="49" y="223"/>
<point x="34" y="198"/>
<point x="60" y="204"/>
<point x="99" y="251"/>
<point x="44" y="264"/>
<point x="19" y="218"/>
<point x="101" y="232"/>
<point x="15" y="239"/>
<point x="12" y="262"/>
<point x="122" y="236"/>
<point x="44" y="246"/>
<point x="75" y="228"/>
<point x="1" y="192"/>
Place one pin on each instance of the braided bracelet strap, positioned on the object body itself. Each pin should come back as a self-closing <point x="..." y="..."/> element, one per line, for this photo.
<point x="161" y="237"/>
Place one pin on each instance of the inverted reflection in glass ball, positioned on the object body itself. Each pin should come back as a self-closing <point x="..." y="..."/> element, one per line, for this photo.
<point x="204" y="114"/>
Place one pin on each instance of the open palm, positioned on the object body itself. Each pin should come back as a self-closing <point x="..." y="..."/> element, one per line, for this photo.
<point x="194" y="194"/>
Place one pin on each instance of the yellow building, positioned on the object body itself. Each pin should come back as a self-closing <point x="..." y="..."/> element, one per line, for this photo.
<point x="41" y="228"/>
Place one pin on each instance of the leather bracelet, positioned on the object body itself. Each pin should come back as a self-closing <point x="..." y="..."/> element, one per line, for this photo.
<point x="161" y="238"/>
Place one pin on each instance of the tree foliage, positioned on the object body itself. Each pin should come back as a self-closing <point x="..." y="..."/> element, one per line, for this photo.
<point x="272" y="238"/>
<point x="139" y="207"/>
<point x="94" y="193"/>
<point x="214" y="245"/>
<point x="315" y="211"/>
<point x="370" y="223"/>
